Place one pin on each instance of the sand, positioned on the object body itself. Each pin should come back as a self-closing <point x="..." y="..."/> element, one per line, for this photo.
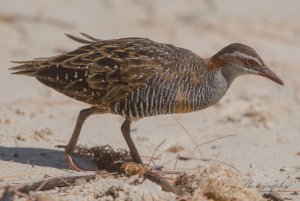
<point x="258" y="119"/>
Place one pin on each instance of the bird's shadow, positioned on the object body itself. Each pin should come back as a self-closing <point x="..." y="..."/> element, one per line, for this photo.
<point x="44" y="157"/>
<point x="34" y="156"/>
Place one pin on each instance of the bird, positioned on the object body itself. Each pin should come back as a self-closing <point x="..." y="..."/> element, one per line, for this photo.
<point x="138" y="77"/>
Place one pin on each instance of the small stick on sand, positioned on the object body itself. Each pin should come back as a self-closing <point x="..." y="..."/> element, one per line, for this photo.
<point x="152" y="157"/>
<point x="213" y="140"/>
<point x="165" y="185"/>
<point x="48" y="183"/>
<point x="190" y="135"/>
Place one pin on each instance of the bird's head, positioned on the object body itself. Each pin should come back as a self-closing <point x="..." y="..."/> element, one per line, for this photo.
<point x="238" y="59"/>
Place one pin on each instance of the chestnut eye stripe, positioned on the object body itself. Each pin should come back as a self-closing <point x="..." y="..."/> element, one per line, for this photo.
<point x="245" y="57"/>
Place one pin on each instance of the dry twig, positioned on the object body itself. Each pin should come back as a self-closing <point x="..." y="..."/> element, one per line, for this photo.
<point x="50" y="182"/>
<point x="152" y="157"/>
<point x="187" y="132"/>
<point x="213" y="140"/>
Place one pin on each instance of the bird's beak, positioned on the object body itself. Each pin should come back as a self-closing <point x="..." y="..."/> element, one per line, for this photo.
<point x="266" y="72"/>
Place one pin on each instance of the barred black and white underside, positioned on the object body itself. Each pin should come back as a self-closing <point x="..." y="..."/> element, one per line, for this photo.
<point x="179" y="96"/>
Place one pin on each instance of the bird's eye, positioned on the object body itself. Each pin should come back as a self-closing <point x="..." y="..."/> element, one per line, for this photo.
<point x="248" y="62"/>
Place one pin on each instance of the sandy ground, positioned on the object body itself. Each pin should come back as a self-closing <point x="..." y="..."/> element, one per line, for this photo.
<point x="260" y="117"/>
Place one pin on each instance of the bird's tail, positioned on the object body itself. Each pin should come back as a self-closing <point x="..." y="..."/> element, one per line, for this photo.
<point x="30" y="68"/>
<point x="24" y="68"/>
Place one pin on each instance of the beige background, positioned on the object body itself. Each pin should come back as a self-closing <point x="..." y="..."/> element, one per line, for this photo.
<point x="263" y="116"/>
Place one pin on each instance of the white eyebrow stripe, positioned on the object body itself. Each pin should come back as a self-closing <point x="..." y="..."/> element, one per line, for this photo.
<point x="240" y="54"/>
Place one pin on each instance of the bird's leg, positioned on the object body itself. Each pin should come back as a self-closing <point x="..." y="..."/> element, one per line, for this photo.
<point x="125" y="128"/>
<point x="154" y="174"/>
<point x="70" y="147"/>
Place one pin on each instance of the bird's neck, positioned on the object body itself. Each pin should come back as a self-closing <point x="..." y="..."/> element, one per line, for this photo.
<point x="230" y="73"/>
<point x="215" y="64"/>
<point x="208" y="91"/>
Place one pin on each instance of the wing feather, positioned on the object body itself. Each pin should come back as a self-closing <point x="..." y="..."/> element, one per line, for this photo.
<point x="103" y="71"/>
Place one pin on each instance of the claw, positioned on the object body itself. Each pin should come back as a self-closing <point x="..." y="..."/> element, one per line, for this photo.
<point x="60" y="146"/>
<point x="72" y="164"/>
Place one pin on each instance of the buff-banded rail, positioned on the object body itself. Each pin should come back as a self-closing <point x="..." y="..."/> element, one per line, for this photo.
<point x="137" y="78"/>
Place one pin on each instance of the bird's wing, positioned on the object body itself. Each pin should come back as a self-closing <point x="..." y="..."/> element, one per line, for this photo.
<point x="102" y="70"/>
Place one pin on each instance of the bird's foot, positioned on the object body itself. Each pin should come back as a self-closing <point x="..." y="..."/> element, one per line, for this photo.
<point x="72" y="163"/>
<point x="61" y="146"/>
<point x="70" y="160"/>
